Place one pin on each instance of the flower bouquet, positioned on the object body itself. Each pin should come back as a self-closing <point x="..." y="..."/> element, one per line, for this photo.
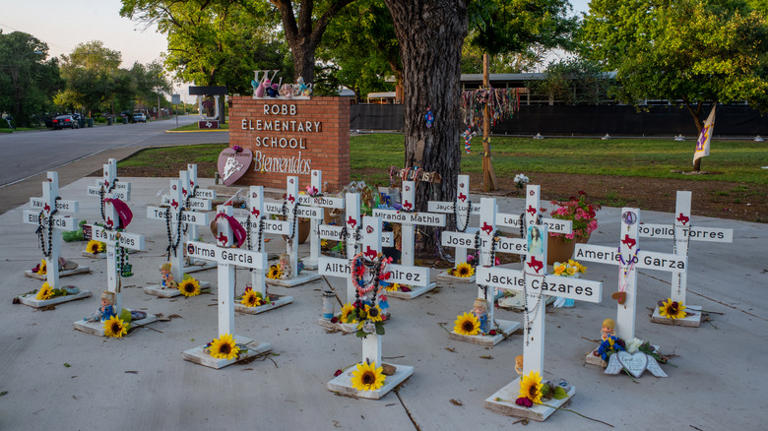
<point x="582" y="214"/>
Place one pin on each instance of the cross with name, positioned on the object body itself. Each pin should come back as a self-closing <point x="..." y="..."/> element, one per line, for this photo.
<point x="175" y="216"/>
<point x="682" y="232"/>
<point x="116" y="241"/>
<point x="227" y="257"/>
<point x="371" y="343"/>
<point x="256" y="225"/>
<point x="628" y="258"/>
<point x="351" y="233"/>
<point x="462" y="209"/>
<point x="45" y="214"/>
<point x="535" y="284"/>
<point x="533" y="213"/>
<point x="315" y="198"/>
<point x="292" y="210"/>
<point x="408" y="219"/>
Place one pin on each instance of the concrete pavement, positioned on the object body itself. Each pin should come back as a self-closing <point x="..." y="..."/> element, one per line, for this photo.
<point x="141" y="382"/>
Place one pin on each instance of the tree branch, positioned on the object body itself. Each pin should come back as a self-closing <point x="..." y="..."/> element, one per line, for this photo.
<point x="285" y="7"/>
<point x="322" y="22"/>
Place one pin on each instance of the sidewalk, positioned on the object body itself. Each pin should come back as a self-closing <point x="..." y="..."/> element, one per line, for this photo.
<point x="142" y="383"/>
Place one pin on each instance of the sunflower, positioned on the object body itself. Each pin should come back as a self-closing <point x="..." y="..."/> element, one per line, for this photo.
<point x="42" y="269"/>
<point x="394" y="287"/>
<point x="466" y="324"/>
<point x="93" y="246"/>
<point x="367" y="377"/>
<point x="373" y="313"/>
<point x="346" y="312"/>
<point x="672" y="309"/>
<point x="224" y="347"/>
<point x="45" y="292"/>
<point x="464" y="270"/>
<point x="189" y="287"/>
<point x="115" y="327"/>
<point x="530" y="387"/>
<point x="251" y="298"/>
<point x="571" y="270"/>
<point x="275" y="272"/>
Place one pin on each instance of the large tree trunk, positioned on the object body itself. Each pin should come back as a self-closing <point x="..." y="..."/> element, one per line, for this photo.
<point x="431" y="33"/>
<point x="303" y="61"/>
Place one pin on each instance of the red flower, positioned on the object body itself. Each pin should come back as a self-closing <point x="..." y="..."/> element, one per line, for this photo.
<point x="338" y="373"/>
<point x="334" y="319"/>
<point x="492" y="332"/>
<point x="405" y="288"/>
<point x="524" y="402"/>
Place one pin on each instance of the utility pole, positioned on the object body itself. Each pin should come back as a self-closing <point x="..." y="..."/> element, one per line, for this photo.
<point x="489" y="176"/>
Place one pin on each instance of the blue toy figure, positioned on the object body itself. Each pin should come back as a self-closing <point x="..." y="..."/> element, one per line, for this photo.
<point x="480" y="310"/>
<point x="107" y="308"/>
<point x="429" y="117"/>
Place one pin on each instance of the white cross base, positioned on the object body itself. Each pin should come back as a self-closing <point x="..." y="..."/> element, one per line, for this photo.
<point x="227" y="259"/>
<point x="371" y="344"/>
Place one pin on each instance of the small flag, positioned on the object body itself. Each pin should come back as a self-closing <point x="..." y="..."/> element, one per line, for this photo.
<point x="702" y="144"/>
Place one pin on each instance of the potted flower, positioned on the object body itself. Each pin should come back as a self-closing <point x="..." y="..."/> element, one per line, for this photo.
<point x="583" y="216"/>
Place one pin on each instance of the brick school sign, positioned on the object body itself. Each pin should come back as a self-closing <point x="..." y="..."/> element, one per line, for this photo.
<point x="292" y="137"/>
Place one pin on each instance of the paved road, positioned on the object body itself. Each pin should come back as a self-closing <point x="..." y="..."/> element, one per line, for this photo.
<point x="25" y="154"/>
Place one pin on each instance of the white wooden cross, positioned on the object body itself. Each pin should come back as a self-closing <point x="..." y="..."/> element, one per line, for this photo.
<point x="320" y="202"/>
<point x="46" y="215"/>
<point x="194" y="198"/>
<point x="408" y="219"/>
<point x="175" y="216"/>
<point x="371" y="344"/>
<point x="683" y="231"/>
<point x="227" y="258"/>
<point x="463" y="209"/>
<point x="628" y="257"/>
<point x="535" y="284"/>
<point x="293" y="210"/>
<point x="351" y="233"/>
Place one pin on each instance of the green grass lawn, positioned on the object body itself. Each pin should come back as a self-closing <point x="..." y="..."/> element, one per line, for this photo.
<point x="194" y="127"/>
<point x="371" y="155"/>
<point x="656" y="158"/>
<point x="21" y="129"/>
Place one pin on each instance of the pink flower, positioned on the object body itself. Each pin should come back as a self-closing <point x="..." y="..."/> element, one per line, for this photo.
<point x="524" y="402"/>
<point x="569" y="236"/>
<point x="497" y="262"/>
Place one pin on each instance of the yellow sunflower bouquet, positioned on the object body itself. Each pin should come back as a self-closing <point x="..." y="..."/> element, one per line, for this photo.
<point x="95" y="247"/>
<point x="223" y="347"/>
<point x="189" y="286"/>
<point x="672" y="309"/>
<point x="275" y="272"/>
<point x="368" y="377"/>
<point x="463" y="270"/>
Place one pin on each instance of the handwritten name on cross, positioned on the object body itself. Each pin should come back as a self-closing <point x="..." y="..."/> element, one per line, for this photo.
<point x="532" y="212"/>
<point x="45" y="215"/>
<point x="628" y="257"/>
<point x="462" y="208"/>
<point x="113" y="239"/>
<point x="408" y="220"/>
<point x="227" y="259"/>
<point x="534" y="282"/>
<point x="683" y="231"/>
<point x="321" y="202"/>
<point x="175" y="217"/>
<point x="109" y="186"/>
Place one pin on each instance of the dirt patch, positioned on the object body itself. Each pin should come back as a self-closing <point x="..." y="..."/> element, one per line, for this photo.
<point x="741" y="201"/>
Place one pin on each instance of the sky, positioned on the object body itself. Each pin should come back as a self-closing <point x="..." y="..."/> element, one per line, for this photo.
<point x="65" y="24"/>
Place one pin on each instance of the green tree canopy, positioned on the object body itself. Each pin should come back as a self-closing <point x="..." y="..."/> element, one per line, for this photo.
<point x="696" y="51"/>
<point x="89" y="73"/>
<point x="28" y="78"/>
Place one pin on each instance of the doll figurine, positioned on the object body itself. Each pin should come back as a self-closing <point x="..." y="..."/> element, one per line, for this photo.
<point x="106" y="310"/>
<point x="607" y="329"/>
<point x="480" y="310"/>
<point x="285" y="265"/>
<point x="167" y="276"/>
<point x="286" y="90"/>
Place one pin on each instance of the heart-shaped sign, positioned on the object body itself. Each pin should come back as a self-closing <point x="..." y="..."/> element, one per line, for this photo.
<point x="620" y="297"/>
<point x="635" y="364"/>
<point x="233" y="164"/>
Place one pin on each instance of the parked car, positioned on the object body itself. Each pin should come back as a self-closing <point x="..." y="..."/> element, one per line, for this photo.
<point x="139" y="117"/>
<point x="63" y="121"/>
